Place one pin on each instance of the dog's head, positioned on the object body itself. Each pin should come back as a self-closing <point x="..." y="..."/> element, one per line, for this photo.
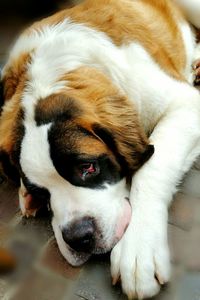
<point x="78" y="146"/>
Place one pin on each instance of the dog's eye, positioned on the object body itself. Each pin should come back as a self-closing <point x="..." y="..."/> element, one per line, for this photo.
<point x="87" y="170"/>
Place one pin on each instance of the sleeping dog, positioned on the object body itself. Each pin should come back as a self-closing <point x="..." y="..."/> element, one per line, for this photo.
<point x="101" y="119"/>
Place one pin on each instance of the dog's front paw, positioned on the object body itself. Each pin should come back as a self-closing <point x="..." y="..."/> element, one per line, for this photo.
<point x="196" y="68"/>
<point x="141" y="261"/>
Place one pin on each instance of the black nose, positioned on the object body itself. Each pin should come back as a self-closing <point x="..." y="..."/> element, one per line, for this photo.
<point x="80" y="235"/>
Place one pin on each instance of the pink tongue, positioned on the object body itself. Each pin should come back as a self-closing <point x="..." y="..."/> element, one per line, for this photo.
<point x="124" y="220"/>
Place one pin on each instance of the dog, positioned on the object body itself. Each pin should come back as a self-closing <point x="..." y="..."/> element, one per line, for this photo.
<point x="101" y="119"/>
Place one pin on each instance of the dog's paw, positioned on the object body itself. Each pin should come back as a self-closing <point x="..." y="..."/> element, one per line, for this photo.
<point x="141" y="261"/>
<point x="28" y="205"/>
<point x="196" y="68"/>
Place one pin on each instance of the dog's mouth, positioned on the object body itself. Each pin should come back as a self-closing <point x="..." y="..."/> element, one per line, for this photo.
<point x="87" y="237"/>
<point x="79" y="258"/>
<point x="101" y="247"/>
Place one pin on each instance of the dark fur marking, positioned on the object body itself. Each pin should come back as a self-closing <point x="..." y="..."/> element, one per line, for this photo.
<point x="147" y="153"/>
<point x="66" y="159"/>
<point x="107" y="137"/>
<point x="55" y="108"/>
<point x="9" y="169"/>
<point x="10" y="161"/>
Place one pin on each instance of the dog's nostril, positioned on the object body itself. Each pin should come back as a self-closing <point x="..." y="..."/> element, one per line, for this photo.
<point x="80" y="235"/>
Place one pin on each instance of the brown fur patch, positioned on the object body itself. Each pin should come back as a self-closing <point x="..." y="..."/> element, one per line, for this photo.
<point x="11" y="116"/>
<point x="8" y="121"/>
<point x="152" y="23"/>
<point x="15" y="75"/>
<point x="56" y="107"/>
<point x="102" y="104"/>
<point x="91" y="147"/>
<point x="11" y="121"/>
<point x="62" y="108"/>
<point x="14" y="80"/>
<point x="95" y="101"/>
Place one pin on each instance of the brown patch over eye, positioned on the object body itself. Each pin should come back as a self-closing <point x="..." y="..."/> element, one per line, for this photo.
<point x="56" y="107"/>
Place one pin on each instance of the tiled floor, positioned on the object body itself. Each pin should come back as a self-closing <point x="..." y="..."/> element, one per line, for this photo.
<point x="43" y="274"/>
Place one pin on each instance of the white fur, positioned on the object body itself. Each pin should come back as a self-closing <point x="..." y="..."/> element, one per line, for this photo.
<point x="168" y="107"/>
<point x="143" y="250"/>
<point x="190" y="45"/>
<point x="56" y="50"/>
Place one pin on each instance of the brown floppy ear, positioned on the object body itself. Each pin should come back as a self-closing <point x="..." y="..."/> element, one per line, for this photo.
<point x="7" y="121"/>
<point x="11" y="130"/>
<point x="6" y="167"/>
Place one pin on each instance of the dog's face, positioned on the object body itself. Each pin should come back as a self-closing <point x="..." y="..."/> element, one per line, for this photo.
<point x="65" y="152"/>
<point x="85" y="183"/>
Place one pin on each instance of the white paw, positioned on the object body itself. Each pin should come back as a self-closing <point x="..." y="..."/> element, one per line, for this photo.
<point x="141" y="261"/>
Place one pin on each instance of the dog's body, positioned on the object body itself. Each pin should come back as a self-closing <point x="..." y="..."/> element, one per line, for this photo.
<point x="83" y="90"/>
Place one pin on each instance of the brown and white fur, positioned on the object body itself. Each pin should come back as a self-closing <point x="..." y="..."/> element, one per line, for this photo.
<point x="91" y="89"/>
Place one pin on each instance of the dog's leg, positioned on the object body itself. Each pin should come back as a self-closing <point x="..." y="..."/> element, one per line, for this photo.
<point x="28" y="206"/>
<point x="141" y="257"/>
